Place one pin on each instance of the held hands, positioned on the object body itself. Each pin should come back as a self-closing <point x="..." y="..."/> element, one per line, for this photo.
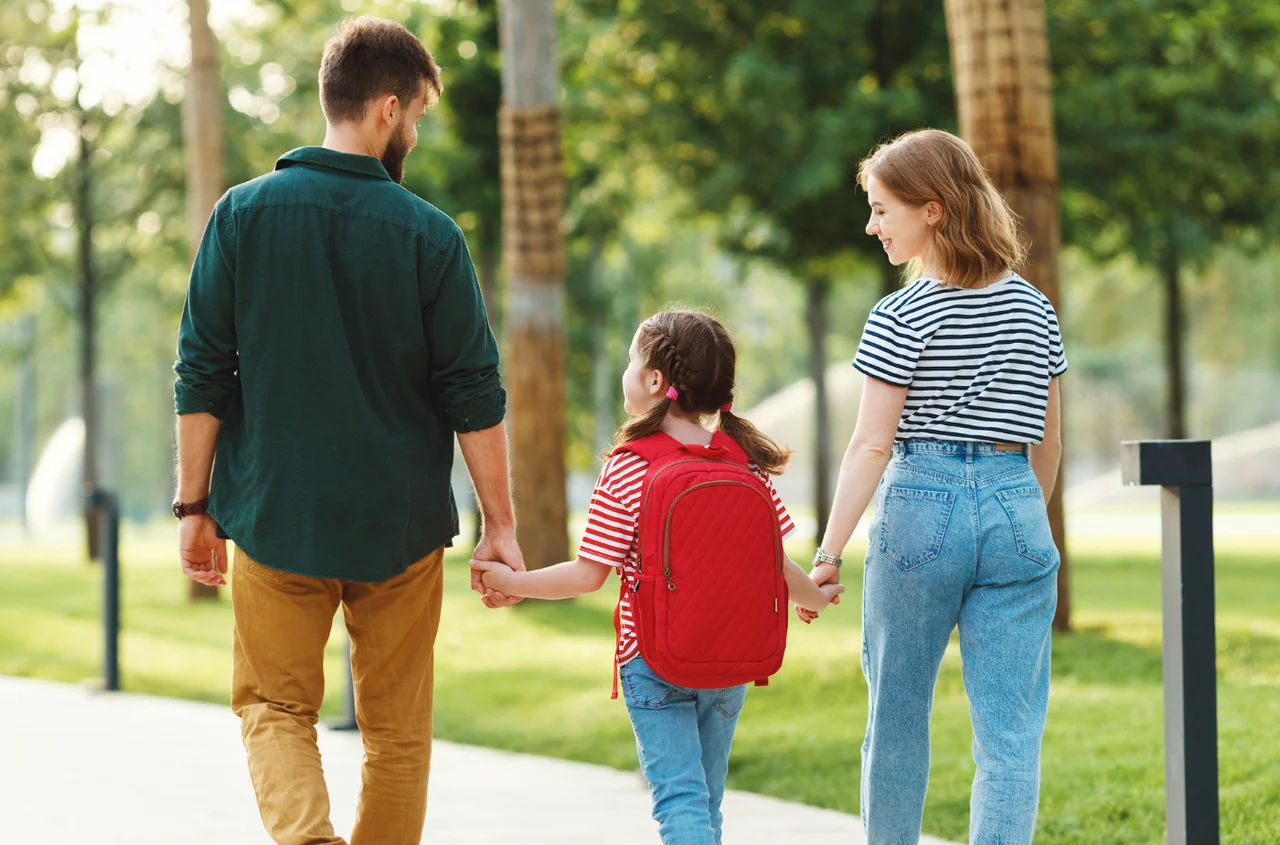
<point x="494" y="580"/>
<point x="827" y="577"/>
<point x="202" y="552"/>
<point x="495" y="552"/>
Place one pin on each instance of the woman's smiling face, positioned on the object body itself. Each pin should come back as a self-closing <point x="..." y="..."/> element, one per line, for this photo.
<point x="904" y="231"/>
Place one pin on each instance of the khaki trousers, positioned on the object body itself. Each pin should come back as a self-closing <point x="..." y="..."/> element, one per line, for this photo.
<point x="282" y="622"/>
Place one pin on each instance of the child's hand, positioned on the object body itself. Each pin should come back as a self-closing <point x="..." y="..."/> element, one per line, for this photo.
<point x="831" y="591"/>
<point x="495" y="575"/>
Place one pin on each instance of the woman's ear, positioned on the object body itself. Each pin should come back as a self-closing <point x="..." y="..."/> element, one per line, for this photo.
<point x="932" y="212"/>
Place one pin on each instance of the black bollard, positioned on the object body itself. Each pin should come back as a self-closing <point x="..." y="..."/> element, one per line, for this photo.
<point x="109" y="546"/>
<point x="1184" y="469"/>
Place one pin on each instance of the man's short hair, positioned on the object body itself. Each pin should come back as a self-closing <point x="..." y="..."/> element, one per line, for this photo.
<point x="370" y="57"/>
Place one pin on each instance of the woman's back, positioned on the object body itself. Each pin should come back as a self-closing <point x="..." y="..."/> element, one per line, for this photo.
<point x="977" y="362"/>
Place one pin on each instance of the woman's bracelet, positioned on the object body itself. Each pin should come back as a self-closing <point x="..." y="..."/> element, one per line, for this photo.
<point x="819" y="556"/>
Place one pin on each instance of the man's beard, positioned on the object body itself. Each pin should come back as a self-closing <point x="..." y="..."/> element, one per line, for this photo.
<point x="394" y="155"/>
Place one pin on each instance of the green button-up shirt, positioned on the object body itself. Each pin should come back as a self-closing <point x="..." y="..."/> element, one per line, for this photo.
<point x="334" y="324"/>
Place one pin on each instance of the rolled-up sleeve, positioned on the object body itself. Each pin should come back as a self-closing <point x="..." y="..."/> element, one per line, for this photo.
<point x="208" y="363"/>
<point x="889" y="350"/>
<point x="464" y="354"/>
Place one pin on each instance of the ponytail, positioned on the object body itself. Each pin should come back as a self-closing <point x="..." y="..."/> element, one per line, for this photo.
<point x="761" y="449"/>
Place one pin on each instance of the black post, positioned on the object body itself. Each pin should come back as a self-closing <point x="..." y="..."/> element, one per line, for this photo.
<point x="109" y="547"/>
<point x="347" y="722"/>
<point x="1184" y="469"/>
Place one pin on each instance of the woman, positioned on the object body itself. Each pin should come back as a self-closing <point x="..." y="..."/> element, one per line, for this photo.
<point x="958" y="441"/>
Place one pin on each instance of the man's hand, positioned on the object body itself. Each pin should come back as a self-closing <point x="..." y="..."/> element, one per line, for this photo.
<point x="202" y="552"/>
<point x="493" y="576"/>
<point x="496" y="547"/>
<point x="823" y="573"/>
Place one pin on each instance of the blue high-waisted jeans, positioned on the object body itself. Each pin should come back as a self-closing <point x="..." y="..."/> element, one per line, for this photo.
<point x="961" y="537"/>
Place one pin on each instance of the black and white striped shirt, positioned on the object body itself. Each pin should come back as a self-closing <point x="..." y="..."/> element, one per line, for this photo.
<point x="976" y="362"/>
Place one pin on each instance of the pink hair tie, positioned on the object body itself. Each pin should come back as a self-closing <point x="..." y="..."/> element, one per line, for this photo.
<point x="672" y="393"/>
<point x="726" y="407"/>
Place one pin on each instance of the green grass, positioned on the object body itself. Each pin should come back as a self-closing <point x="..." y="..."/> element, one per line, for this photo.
<point x="536" y="679"/>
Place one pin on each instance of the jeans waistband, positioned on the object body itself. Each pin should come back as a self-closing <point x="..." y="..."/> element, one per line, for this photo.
<point x="956" y="447"/>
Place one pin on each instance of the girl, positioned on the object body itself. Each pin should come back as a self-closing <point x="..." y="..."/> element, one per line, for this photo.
<point x="957" y="440"/>
<point x="680" y="373"/>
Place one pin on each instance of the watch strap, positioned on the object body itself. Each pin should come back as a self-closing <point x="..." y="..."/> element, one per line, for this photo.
<point x="185" y="509"/>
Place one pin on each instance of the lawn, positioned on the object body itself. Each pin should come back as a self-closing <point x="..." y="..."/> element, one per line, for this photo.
<point x="536" y="678"/>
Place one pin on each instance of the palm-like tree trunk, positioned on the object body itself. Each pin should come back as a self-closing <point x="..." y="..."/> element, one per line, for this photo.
<point x="202" y="137"/>
<point x="1000" y="60"/>
<point x="532" y="205"/>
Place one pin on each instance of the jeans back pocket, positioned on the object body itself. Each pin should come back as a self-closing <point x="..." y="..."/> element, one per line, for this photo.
<point x="1030" y="520"/>
<point x="914" y="524"/>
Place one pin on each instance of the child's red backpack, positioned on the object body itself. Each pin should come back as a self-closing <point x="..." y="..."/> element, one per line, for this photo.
<point x="710" y="602"/>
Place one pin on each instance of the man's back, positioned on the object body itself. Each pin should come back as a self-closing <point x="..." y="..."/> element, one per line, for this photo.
<point x="349" y="310"/>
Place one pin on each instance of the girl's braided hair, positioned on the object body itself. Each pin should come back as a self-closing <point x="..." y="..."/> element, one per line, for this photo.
<point x="695" y="353"/>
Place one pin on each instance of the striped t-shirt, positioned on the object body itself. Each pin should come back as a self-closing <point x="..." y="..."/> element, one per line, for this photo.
<point x="612" y="536"/>
<point x="976" y="362"/>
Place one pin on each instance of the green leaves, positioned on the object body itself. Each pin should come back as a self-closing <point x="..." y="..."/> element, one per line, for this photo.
<point x="1168" y="120"/>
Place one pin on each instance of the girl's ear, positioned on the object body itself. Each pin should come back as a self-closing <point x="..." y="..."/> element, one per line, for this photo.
<point x="655" y="383"/>
<point x="932" y="212"/>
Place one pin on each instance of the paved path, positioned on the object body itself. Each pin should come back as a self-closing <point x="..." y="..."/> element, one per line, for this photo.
<point x="121" y="769"/>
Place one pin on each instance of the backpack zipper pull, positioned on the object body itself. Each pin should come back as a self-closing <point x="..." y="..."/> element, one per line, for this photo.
<point x="671" y="585"/>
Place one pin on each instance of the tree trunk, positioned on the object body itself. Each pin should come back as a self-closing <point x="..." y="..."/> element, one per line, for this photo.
<point x="533" y="203"/>
<point x="1000" y="60"/>
<point x="1174" y="330"/>
<point x="815" y="314"/>
<point x="93" y="516"/>
<point x="202" y="136"/>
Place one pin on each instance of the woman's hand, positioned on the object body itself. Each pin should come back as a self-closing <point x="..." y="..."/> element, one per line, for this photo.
<point x="822" y="574"/>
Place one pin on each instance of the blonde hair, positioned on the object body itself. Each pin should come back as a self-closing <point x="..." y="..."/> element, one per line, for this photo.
<point x="695" y="353"/>
<point x="976" y="238"/>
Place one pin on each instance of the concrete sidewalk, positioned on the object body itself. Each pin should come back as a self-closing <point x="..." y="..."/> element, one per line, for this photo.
<point x="121" y="769"/>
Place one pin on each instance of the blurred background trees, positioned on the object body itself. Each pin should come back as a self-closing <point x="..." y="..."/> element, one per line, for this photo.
<point x="710" y="149"/>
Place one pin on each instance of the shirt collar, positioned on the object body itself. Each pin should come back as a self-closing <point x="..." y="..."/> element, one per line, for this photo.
<point x="333" y="160"/>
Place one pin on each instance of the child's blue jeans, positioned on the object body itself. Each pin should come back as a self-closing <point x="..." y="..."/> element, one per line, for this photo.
<point x="683" y="737"/>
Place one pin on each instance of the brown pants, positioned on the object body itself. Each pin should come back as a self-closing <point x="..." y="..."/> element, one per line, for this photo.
<point x="282" y="622"/>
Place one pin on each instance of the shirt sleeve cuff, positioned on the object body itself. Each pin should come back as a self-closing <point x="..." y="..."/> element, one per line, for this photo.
<point x="201" y="399"/>
<point x="880" y="374"/>
<point x="479" y="412"/>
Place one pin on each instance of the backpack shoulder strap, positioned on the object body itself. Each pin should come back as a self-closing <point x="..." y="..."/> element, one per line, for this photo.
<point x="652" y="447"/>
<point x="732" y="450"/>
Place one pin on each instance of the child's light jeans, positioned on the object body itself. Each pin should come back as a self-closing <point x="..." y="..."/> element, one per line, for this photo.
<point x="683" y="737"/>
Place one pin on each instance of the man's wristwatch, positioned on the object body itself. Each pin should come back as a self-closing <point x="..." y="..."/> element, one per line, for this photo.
<point x="181" y="509"/>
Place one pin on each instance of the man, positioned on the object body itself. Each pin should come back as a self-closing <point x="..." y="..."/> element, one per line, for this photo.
<point x="333" y="341"/>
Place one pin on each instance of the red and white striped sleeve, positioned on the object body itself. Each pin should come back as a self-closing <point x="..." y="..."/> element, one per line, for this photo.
<point x="613" y="516"/>
<point x="785" y="523"/>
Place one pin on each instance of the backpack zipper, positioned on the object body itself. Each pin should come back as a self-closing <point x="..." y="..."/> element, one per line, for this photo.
<point x="644" y="505"/>
<point x="666" y="536"/>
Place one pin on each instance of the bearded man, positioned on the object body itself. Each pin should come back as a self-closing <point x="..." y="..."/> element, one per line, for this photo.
<point x="333" y="343"/>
